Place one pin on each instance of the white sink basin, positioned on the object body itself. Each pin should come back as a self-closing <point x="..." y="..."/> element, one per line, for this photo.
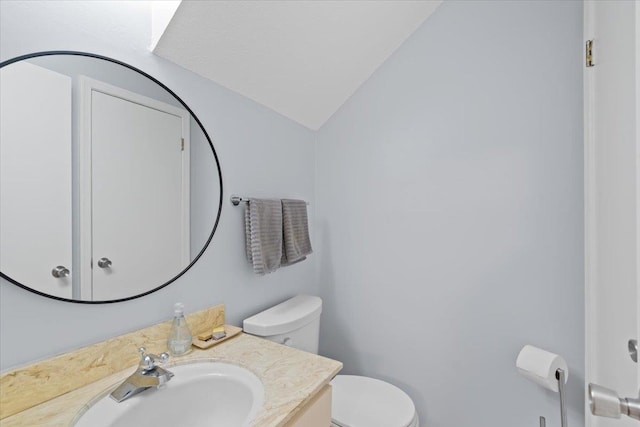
<point x="200" y="394"/>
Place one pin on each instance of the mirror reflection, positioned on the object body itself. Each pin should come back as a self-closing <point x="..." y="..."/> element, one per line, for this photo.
<point x="109" y="187"/>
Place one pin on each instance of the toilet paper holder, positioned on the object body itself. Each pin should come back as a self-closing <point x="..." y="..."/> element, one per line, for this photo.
<point x="560" y="375"/>
<point x="548" y="370"/>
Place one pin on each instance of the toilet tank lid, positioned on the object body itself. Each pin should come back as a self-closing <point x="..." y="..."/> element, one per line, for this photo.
<point x="285" y="317"/>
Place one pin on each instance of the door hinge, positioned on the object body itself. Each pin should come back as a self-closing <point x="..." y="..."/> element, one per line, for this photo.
<point x="588" y="53"/>
<point x="181" y="144"/>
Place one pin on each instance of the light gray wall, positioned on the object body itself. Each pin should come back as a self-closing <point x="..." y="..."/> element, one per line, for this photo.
<point x="450" y="214"/>
<point x="448" y="197"/>
<point x="261" y="153"/>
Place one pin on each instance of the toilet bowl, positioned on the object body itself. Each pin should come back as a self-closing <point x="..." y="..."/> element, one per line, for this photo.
<point x="363" y="401"/>
<point x="357" y="401"/>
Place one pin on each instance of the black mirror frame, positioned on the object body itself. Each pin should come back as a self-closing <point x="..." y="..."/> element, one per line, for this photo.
<point x="215" y="155"/>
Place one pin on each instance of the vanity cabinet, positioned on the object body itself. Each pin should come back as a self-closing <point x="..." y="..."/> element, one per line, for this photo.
<point x="316" y="413"/>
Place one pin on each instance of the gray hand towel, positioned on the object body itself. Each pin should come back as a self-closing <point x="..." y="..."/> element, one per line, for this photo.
<point x="295" y="228"/>
<point x="263" y="234"/>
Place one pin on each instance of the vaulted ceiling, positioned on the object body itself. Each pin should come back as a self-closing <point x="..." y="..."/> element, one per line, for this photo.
<point x="303" y="59"/>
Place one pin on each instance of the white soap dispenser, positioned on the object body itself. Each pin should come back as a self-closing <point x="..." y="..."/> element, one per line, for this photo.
<point x="179" y="340"/>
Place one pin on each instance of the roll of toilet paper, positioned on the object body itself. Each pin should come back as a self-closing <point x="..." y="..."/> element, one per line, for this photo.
<point x="540" y="366"/>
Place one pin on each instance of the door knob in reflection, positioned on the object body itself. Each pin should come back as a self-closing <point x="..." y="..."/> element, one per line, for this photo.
<point x="60" y="272"/>
<point x="104" y="263"/>
<point x="633" y="350"/>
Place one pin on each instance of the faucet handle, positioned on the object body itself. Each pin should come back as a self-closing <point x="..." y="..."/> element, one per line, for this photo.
<point x="148" y="361"/>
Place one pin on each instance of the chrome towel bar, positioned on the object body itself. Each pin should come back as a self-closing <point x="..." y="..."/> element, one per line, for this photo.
<point x="236" y="200"/>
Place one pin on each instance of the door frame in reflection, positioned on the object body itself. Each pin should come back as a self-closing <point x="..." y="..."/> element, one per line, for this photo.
<point x="166" y="258"/>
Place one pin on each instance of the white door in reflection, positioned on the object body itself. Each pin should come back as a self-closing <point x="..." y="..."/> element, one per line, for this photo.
<point x="138" y="209"/>
<point x="35" y="178"/>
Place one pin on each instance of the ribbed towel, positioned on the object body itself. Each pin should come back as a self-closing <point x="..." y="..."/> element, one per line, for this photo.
<point x="263" y="233"/>
<point x="295" y="229"/>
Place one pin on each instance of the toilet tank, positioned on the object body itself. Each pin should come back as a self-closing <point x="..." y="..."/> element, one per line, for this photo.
<point x="295" y="322"/>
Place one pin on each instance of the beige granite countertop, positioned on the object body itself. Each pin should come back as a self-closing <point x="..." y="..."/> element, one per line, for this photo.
<point x="291" y="378"/>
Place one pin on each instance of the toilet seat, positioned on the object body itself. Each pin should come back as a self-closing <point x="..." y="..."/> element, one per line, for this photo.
<point x="367" y="402"/>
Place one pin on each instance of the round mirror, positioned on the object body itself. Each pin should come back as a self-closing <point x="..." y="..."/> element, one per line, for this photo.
<point x="110" y="187"/>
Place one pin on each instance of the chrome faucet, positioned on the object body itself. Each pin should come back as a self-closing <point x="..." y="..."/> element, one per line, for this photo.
<point x="147" y="375"/>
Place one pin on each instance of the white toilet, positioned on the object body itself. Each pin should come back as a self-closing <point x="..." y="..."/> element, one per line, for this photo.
<point x="356" y="401"/>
